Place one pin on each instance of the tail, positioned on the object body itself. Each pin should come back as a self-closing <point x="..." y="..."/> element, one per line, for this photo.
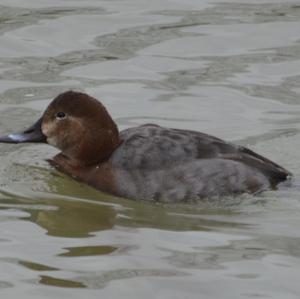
<point x="268" y="167"/>
<point x="274" y="172"/>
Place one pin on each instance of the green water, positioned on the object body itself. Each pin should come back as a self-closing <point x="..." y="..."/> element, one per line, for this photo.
<point x="231" y="69"/>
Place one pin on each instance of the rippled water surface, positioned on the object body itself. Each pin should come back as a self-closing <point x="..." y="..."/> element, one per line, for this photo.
<point x="229" y="68"/>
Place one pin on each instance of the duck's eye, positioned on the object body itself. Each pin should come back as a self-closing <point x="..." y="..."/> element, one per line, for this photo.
<point x="60" y="115"/>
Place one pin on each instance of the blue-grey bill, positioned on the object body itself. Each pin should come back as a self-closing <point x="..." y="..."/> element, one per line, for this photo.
<point x="32" y="134"/>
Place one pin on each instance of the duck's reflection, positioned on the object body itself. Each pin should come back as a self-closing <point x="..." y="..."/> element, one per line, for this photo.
<point x="66" y="208"/>
<point x="61" y="206"/>
<point x="74" y="219"/>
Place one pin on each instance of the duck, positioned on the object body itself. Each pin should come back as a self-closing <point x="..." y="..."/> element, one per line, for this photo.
<point x="147" y="162"/>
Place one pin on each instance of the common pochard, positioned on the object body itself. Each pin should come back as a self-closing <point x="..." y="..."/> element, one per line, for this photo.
<point x="147" y="162"/>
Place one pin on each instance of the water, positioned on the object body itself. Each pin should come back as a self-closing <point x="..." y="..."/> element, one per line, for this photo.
<point x="229" y="68"/>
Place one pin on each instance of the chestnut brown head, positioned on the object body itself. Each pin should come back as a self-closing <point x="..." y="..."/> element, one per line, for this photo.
<point x="78" y="125"/>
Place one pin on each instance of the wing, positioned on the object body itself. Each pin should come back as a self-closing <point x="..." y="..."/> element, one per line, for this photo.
<point x="153" y="147"/>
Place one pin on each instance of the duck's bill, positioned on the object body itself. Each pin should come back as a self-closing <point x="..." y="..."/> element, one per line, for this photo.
<point x="32" y="134"/>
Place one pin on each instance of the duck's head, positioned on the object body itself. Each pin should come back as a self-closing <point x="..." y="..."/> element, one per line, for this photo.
<point x="78" y="125"/>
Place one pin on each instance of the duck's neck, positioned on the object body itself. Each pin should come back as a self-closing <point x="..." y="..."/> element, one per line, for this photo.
<point x="98" y="176"/>
<point x="94" y="148"/>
